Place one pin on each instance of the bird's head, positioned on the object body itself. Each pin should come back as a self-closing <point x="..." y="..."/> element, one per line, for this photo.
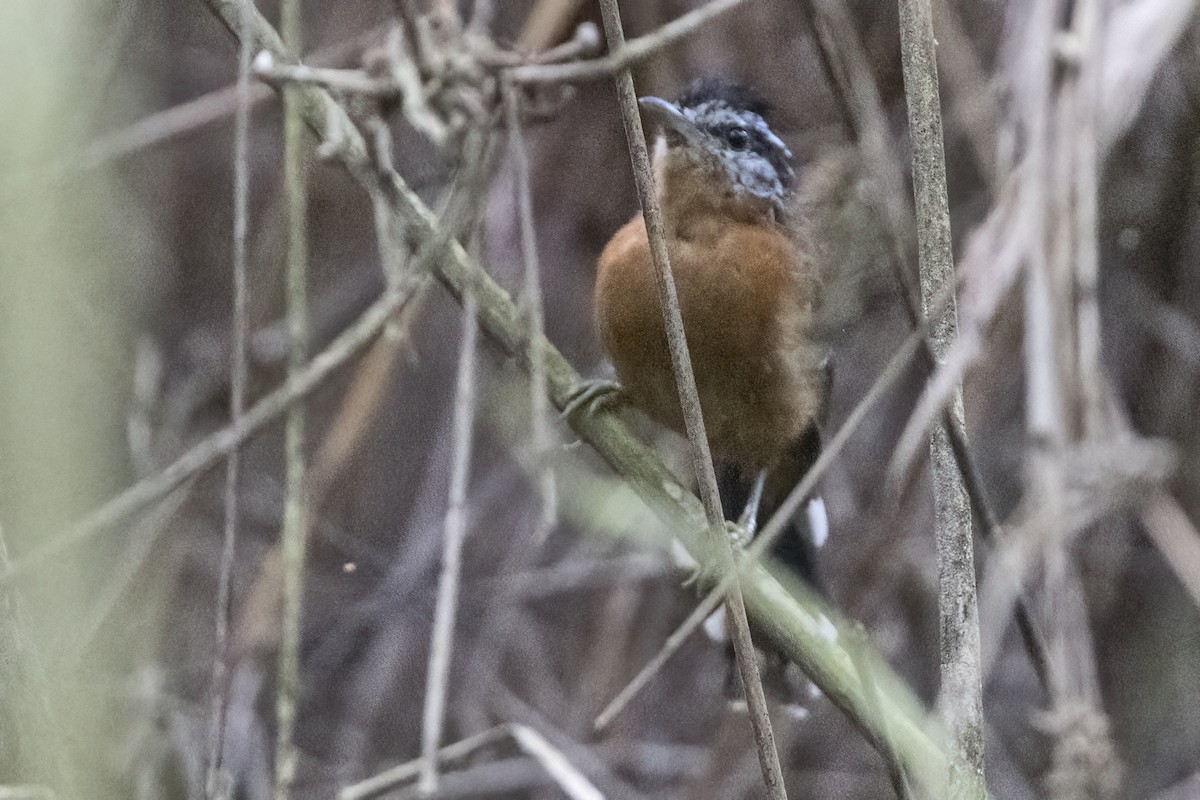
<point x="717" y="135"/>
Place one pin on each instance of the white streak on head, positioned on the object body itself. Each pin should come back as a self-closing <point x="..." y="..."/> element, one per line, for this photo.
<point x="818" y="521"/>
<point x="772" y="138"/>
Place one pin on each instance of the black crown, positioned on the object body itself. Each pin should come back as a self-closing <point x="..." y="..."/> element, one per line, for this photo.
<point x="735" y="95"/>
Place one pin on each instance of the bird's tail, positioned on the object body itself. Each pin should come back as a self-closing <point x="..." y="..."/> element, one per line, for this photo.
<point x="805" y="533"/>
<point x="795" y="548"/>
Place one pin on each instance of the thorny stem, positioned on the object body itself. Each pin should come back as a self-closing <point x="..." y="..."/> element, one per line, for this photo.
<point x="689" y="401"/>
<point x="961" y="694"/>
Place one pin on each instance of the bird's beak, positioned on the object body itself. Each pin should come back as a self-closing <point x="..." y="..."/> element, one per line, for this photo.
<point x="670" y="120"/>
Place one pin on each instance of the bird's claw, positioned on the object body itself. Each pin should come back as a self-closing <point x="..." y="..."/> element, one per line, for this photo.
<point x="740" y="534"/>
<point x="594" y="395"/>
<point x="701" y="575"/>
<point x="706" y="572"/>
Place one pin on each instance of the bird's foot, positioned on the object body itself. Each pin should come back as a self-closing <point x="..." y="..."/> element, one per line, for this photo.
<point x="740" y="534"/>
<point x="593" y="395"/>
<point x="709" y="571"/>
<point x="699" y="574"/>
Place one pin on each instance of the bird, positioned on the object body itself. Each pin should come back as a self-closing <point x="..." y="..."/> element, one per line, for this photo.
<point x="748" y="284"/>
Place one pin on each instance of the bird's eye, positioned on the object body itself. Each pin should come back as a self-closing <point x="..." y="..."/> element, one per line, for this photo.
<point x="738" y="138"/>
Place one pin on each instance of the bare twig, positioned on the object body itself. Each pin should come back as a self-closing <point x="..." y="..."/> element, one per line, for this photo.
<point x="961" y="693"/>
<point x="295" y="512"/>
<point x="350" y="81"/>
<point x="164" y="126"/>
<point x="547" y="23"/>
<point x="1084" y="108"/>
<point x="573" y="782"/>
<point x="628" y="54"/>
<point x="1177" y="539"/>
<point x="844" y="58"/>
<point x="543" y="437"/>
<point x="388" y="780"/>
<point x="680" y="635"/>
<point x="454" y="529"/>
<point x="569" y="779"/>
<point x="689" y="401"/>
<point x="216" y="784"/>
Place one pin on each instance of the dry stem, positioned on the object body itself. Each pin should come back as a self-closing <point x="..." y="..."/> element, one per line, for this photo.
<point x="689" y="401"/>
<point x="543" y="436"/>
<point x="295" y="511"/>
<point x="454" y="530"/>
<point x="961" y="693"/>
<point x="630" y="53"/>
<point x="216" y="783"/>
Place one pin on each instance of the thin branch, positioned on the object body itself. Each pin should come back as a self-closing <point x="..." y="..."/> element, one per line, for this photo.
<point x="1177" y="539"/>
<point x="454" y="530"/>
<point x="689" y="401"/>
<point x="142" y="537"/>
<point x="630" y="52"/>
<point x="390" y="779"/>
<point x="351" y="81"/>
<point x="546" y="23"/>
<point x="216" y="784"/>
<point x="295" y="512"/>
<point x="961" y="692"/>
<point x="553" y="762"/>
<point x="560" y="769"/>
<point x="1084" y="219"/>
<point x="168" y="124"/>
<point x="680" y="635"/>
<point x="543" y="437"/>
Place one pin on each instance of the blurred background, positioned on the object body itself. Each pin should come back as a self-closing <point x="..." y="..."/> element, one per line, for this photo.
<point x="116" y="222"/>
